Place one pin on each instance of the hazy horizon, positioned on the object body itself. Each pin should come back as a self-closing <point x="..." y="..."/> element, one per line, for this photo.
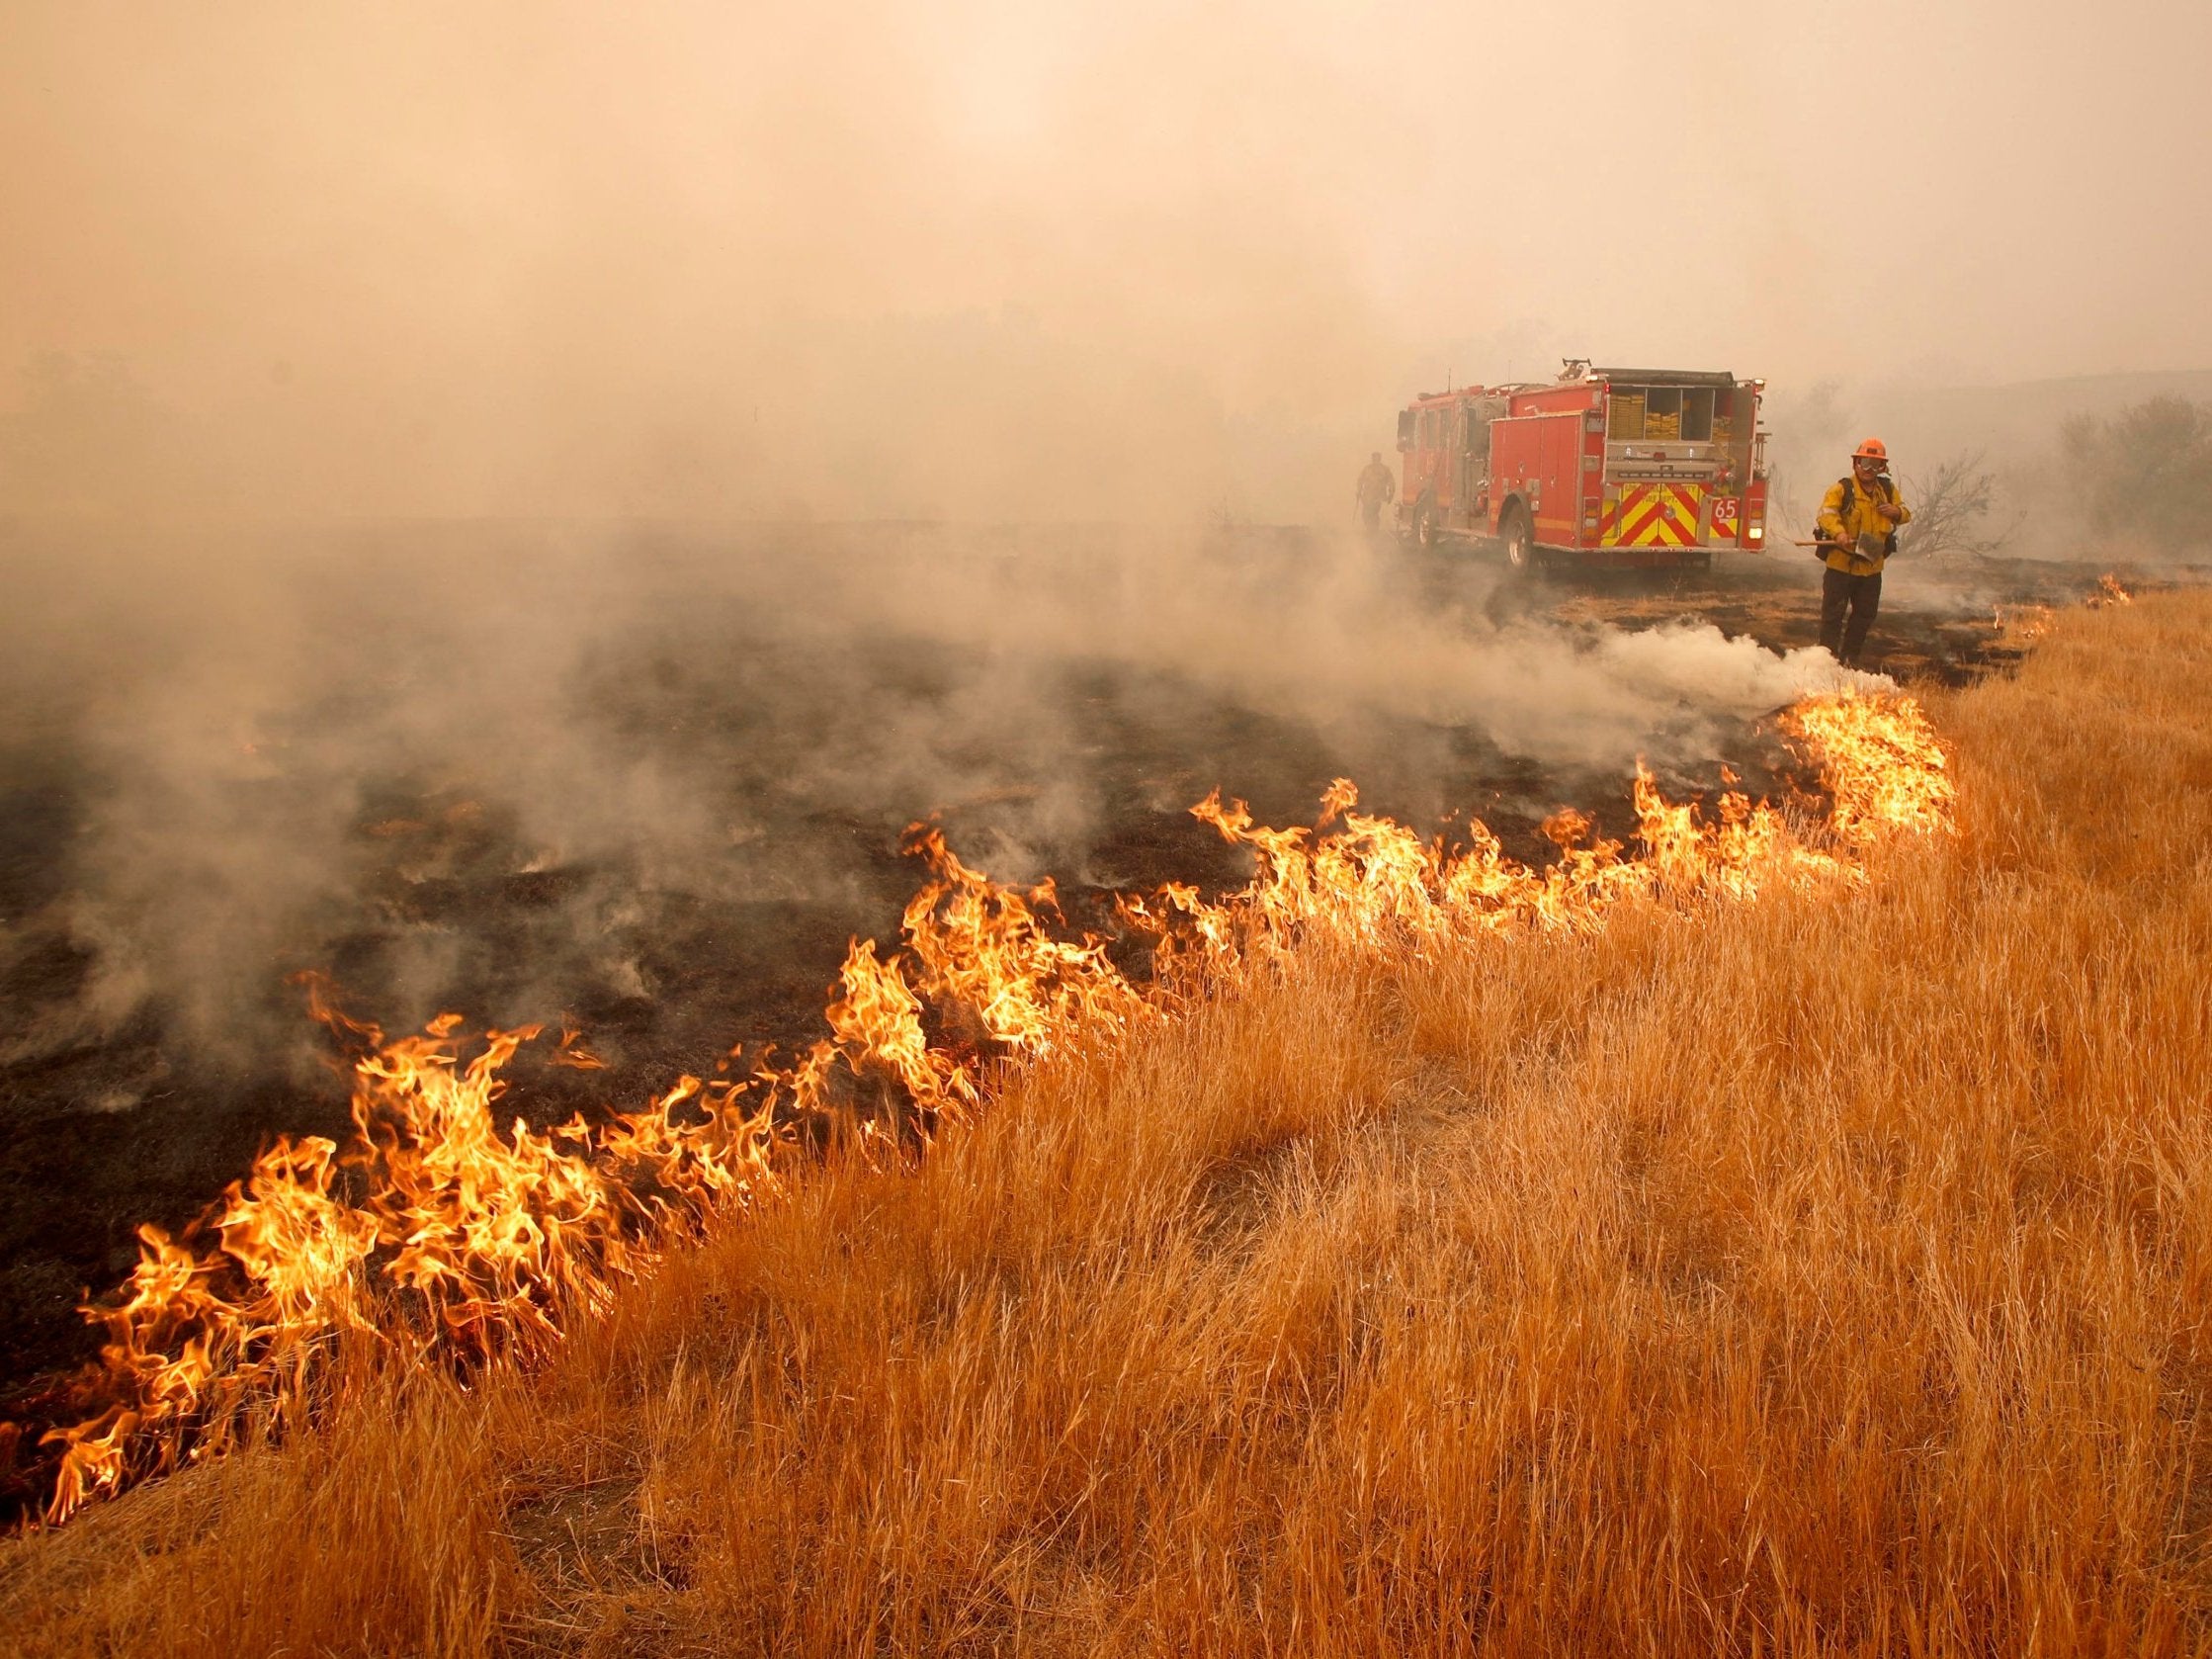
<point x="993" y="261"/>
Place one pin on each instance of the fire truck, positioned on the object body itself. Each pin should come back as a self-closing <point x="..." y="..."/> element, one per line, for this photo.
<point x="1602" y="467"/>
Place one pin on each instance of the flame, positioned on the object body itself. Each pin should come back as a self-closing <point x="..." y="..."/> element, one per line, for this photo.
<point x="438" y="1229"/>
<point x="986" y="948"/>
<point x="1882" y="766"/>
<point x="2020" y="626"/>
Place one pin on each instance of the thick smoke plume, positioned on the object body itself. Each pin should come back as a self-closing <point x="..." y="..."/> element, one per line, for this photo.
<point x="258" y="738"/>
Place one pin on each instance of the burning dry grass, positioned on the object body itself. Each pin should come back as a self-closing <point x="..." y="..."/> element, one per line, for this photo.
<point x="1821" y="1273"/>
<point x="457" y="1237"/>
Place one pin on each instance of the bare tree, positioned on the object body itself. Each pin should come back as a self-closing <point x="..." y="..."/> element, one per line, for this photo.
<point x="1951" y="509"/>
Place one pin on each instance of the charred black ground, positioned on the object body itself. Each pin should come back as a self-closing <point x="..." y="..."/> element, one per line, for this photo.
<point x="811" y="748"/>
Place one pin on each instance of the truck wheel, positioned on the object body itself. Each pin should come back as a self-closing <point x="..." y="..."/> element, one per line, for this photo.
<point x="1520" y="540"/>
<point x="1424" y="527"/>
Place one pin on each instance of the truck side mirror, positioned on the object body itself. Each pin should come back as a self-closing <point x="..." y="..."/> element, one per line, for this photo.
<point x="1404" y="429"/>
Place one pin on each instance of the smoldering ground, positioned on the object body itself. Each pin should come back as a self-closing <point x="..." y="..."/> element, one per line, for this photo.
<point x="650" y="780"/>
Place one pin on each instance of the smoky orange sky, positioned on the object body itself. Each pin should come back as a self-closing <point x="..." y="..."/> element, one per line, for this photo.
<point x="1005" y="259"/>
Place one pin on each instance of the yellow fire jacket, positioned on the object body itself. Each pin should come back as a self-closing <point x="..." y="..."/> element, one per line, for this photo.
<point x="1837" y="525"/>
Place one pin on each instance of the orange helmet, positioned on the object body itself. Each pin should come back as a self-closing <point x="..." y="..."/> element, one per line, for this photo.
<point x="1871" y="450"/>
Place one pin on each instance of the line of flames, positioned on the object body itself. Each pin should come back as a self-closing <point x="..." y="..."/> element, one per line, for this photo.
<point x="436" y="1230"/>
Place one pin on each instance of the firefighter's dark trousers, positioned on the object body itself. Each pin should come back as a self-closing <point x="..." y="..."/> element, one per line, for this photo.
<point x="1843" y="595"/>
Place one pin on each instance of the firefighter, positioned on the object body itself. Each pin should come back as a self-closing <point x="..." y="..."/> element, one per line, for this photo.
<point x="1857" y="531"/>
<point x="1376" y="490"/>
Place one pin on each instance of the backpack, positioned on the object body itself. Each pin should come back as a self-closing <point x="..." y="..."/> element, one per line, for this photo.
<point x="1843" y="510"/>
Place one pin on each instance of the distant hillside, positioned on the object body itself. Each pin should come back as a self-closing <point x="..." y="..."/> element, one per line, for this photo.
<point x="2011" y="421"/>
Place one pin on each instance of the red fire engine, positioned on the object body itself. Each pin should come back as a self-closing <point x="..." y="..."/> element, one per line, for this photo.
<point x="1605" y="467"/>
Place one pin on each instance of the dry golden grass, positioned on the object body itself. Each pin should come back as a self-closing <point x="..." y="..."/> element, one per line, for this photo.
<point x="1825" y="1274"/>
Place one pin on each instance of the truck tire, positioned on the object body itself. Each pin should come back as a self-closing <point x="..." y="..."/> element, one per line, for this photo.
<point x="1424" y="526"/>
<point x="1518" y="539"/>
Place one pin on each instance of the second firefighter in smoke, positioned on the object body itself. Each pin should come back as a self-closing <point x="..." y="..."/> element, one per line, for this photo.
<point x="1375" y="490"/>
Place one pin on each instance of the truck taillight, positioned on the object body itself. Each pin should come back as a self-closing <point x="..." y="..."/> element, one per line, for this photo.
<point x="1756" y="532"/>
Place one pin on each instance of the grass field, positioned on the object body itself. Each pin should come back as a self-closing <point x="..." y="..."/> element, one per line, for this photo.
<point x="1824" y="1274"/>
